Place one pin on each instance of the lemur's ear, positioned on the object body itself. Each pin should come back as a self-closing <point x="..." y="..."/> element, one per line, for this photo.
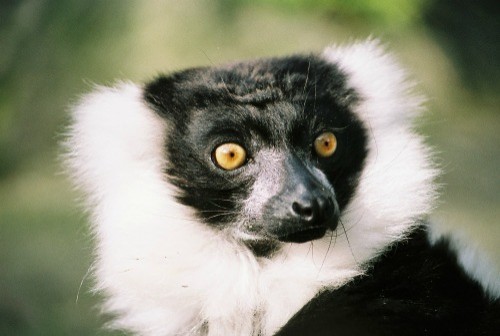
<point x="160" y="94"/>
<point x="387" y="97"/>
<point x="168" y="98"/>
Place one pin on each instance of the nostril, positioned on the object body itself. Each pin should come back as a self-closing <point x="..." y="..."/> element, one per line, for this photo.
<point x="305" y="211"/>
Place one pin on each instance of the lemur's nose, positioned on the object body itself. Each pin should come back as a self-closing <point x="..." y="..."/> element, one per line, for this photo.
<point x="311" y="205"/>
<point x="312" y="213"/>
<point x="309" y="209"/>
<point x="314" y="209"/>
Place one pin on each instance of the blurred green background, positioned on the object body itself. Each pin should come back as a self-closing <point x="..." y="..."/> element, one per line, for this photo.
<point x="52" y="51"/>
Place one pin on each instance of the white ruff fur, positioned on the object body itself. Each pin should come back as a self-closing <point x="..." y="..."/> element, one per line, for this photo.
<point x="164" y="273"/>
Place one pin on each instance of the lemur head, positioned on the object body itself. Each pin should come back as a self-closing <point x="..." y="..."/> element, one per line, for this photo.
<point x="269" y="151"/>
<point x="205" y="184"/>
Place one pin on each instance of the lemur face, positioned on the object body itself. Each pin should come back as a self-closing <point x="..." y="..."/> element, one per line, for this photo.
<point x="268" y="151"/>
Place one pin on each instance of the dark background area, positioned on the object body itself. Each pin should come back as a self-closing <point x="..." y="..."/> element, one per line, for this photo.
<point x="52" y="51"/>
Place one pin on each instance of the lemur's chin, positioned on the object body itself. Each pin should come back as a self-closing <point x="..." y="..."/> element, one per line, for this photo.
<point x="304" y="235"/>
<point x="263" y="247"/>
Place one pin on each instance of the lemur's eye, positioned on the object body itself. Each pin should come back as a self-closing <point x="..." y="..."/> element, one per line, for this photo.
<point x="325" y="144"/>
<point x="229" y="156"/>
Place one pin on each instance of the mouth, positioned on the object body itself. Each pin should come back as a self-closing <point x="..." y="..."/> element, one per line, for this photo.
<point x="264" y="243"/>
<point x="263" y="247"/>
<point x="304" y="235"/>
<point x="266" y="246"/>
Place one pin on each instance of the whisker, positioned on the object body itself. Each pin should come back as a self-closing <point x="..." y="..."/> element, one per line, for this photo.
<point x="218" y="211"/>
<point x="374" y="140"/>
<point x="219" y="215"/>
<point x="206" y="56"/>
<point x="305" y="87"/>
<point x="289" y="246"/>
<point x="348" y="242"/>
<point x="312" y="250"/>
<point x="81" y="283"/>
<point x="355" y="223"/>
<point x="309" y="250"/>
<point x="211" y="201"/>
<point x="315" y="95"/>
<point x="326" y="253"/>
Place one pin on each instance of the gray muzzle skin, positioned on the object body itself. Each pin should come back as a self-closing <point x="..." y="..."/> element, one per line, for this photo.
<point x="304" y="209"/>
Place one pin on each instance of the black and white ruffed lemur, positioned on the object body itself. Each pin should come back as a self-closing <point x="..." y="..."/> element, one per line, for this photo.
<point x="280" y="196"/>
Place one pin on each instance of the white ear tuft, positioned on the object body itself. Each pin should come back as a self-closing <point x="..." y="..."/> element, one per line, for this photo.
<point x="379" y="79"/>
<point x="113" y="135"/>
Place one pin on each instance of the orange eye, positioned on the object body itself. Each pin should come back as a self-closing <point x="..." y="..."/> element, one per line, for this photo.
<point x="325" y="144"/>
<point x="229" y="156"/>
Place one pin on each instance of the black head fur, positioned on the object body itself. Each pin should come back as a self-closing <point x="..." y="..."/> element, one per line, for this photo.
<point x="281" y="104"/>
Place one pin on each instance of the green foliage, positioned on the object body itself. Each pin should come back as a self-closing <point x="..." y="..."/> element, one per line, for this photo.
<point x="44" y="256"/>
<point x="47" y="48"/>
<point x="387" y="12"/>
<point x="469" y="30"/>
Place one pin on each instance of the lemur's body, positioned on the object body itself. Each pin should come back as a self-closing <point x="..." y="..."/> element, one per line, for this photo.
<point x="416" y="288"/>
<point x="207" y="185"/>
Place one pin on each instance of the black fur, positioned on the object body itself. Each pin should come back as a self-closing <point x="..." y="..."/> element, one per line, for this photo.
<point x="413" y="289"/>
<point x="279" y="103"/>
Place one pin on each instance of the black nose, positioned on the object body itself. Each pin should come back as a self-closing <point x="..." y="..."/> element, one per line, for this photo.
<point x="315" y="209"/>
<point x="310" y="216"/>
<point x="310" y="210"/>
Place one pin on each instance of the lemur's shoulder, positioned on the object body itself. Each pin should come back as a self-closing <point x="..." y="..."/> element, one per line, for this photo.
<point x="418" y="287"/>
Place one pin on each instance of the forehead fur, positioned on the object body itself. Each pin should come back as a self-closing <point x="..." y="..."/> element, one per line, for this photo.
<point x="257" y="82"/>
